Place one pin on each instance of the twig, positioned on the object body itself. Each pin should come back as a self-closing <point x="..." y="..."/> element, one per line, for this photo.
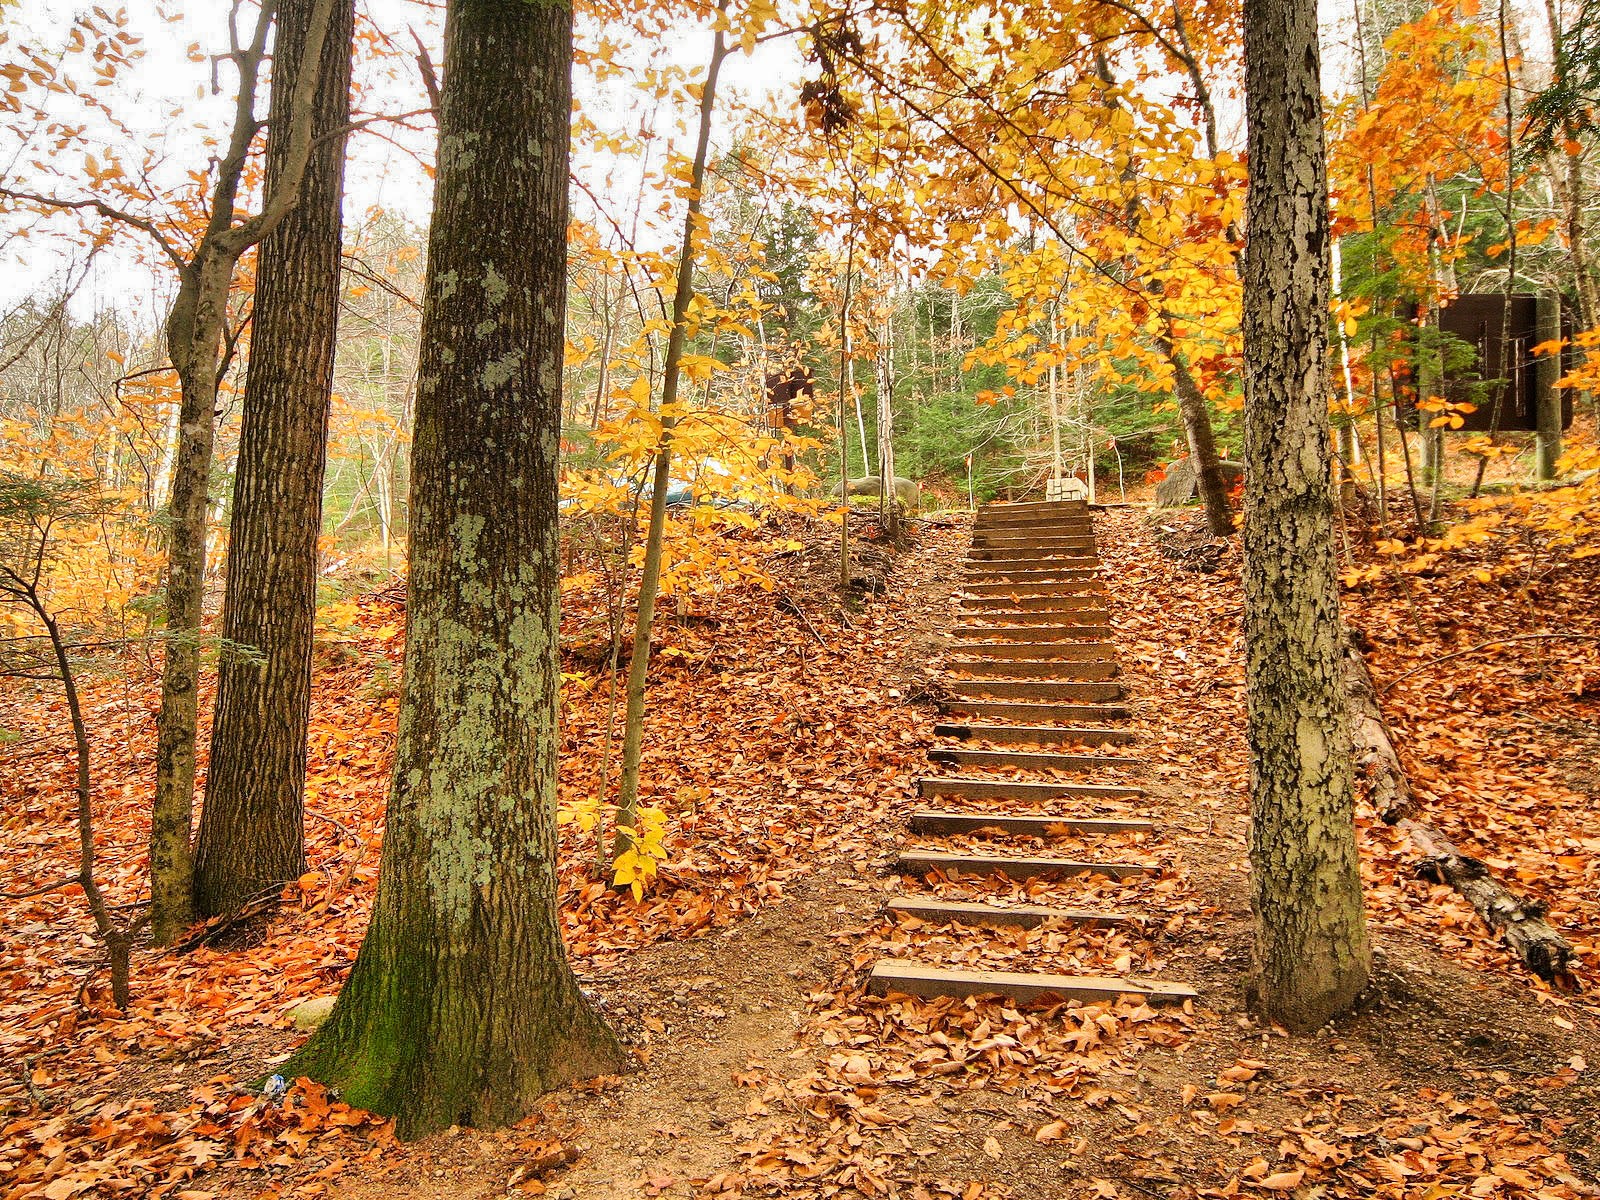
<point x="42" y="1099"/>
<point x="788" y="604"/>
<point x="1521" y="637"/>
<point x="41" y="890"/>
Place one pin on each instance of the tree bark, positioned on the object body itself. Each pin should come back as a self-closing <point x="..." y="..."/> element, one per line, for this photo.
<point x="251" y="837"/>
<point x="194" y="335"/>
<point x="461" y="1007"/>
<point x="1374" y="753"/>
<point x="1311" y="949"/>
<point x="1209" y="481"/>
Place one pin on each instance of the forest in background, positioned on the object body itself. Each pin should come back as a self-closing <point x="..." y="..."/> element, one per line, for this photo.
<point x="986" y="289"/>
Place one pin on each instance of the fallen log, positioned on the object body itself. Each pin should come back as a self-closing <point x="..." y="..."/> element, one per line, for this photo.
<point x="1375" y="756"/>
<point x="1519" y="923"/>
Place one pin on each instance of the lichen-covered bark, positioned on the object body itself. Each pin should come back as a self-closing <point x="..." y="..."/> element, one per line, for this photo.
<point x="1310" y="942"/>
<point x="251" y="830"/>
<point x="461" y="1007"/>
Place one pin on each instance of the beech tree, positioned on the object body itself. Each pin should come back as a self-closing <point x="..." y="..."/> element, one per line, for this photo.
<point x="461" y="1007"/>
<point x="251" y="836"/>
<point x="1310" y="936"/>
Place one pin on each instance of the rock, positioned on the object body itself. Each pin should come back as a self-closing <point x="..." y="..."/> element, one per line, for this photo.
<point x="1068" y="488"/>
<point x="1179" y="486"/>
<point x="310" y="1015"/>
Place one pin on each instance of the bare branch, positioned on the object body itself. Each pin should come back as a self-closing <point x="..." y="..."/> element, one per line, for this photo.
<point x="53" y="885"/>
<point x="430" y="77"/>
<point x="142" y="224"/>
<point x="285" y="194"/>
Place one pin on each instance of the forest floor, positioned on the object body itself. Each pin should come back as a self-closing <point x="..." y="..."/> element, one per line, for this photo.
<point x="786" y="735"/>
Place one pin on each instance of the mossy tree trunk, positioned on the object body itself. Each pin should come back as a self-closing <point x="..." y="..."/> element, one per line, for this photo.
<point x="251" y="837"/>
<point x="461" y="1007"/>
<point x="1310" y="940"/>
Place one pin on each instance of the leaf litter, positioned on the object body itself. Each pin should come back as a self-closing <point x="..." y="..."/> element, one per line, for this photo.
<point x="785" y="751"/>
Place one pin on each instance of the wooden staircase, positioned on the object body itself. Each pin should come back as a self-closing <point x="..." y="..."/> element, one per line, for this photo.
<point x="1031" y="666"/>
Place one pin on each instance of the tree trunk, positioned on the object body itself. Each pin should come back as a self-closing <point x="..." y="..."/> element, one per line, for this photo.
<point x="888" y="496"/>
<point x="194" y="335"/>
<point x="1209" y="482"/>
<point x="1310" y="938"/>
<point x="251" y="837"/>
<point x="650" y="572"/>
<point x="461" y="1007"/>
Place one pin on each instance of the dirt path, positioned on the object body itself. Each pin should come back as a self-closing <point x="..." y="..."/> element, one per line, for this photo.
<point x="1446" y="1078"/>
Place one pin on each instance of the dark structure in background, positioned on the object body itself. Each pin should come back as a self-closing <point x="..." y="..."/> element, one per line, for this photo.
<point x="1504" y="329"/>
<point x="785" y="389"/>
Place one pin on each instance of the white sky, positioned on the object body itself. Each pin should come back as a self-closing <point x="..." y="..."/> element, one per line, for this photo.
<point x="383" y="171"/>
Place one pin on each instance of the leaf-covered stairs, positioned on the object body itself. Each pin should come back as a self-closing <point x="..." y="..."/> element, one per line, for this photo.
<point x="1031" y="742"/>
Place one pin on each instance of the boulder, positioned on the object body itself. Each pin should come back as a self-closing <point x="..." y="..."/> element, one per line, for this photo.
<point x="1180" y="486"/>
<point x="907" y="491"/>
<point x="308" y="1017"/>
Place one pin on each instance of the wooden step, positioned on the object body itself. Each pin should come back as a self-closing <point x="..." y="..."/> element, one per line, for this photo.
<point x="1032" y="530"/>
<point x="1042" y="866"/>
<point x="1025" y="537"/>
<point x="1037" y="690"/>
<point x="1053" y="541"/>
<point x="970" y="787"/>
<point x="1072" y="602"/>
<point x="1021" y="506"/>
<point x="1026" y="760"/>
<point x="1033" y="633"/>
<point x="1068" y="616"/>
<point x="990" y="565"/>
<point x="1030" y="580"/>
<point x="1022" y="760"/>
<point x="1001" y="508"/>
<point x="1023" y="589"/>
<point x="940" y="821"/>
<point x="1047" y="715"/>
<point x="1038" y="651"/>
<point x="1019" y="916"/>
<point x="1038" y="735"/>
<point x="1069" y="526"/>
<point x="1040" y="548"/>
<point x="986" y="531"/>
<point x="1036" y="669"/>
<point x="902" y="975"/>
<point x="1032" y="735"/>
<point x="1011" y="564"/>
<point x="1065" y="568"/>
